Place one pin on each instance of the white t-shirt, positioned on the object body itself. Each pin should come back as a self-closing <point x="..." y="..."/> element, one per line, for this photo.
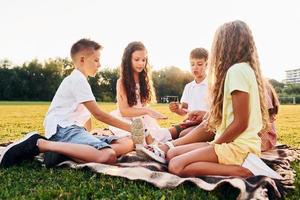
<point x="195" y="95"/>
<point x="66" y="108"/>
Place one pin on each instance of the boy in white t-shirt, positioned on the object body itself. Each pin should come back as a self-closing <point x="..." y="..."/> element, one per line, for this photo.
<point x="194" y="102"/>
<point x="68" y="121"/>
<point x="194" y="105"/>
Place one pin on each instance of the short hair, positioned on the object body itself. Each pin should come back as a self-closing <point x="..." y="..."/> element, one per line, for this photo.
<point x="83" y="45"/>
<point x="199" y="53"/>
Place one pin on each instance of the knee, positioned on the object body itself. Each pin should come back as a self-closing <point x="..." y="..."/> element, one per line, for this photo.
<point x="170" y="154"/>
<point x="111" y="157"/>
<point x="128" y="143"/>
<point x="107" y="157"/>
<point x="245" y="172"/>
<point x="174" y="167"/>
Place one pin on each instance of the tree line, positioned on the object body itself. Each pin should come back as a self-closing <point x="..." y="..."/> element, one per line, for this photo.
<point x="38" y="81"/>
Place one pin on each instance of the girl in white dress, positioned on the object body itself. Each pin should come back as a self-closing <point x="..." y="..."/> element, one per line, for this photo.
<point x="134" y="92"/>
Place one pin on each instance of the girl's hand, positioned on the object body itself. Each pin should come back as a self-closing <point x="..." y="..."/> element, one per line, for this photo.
<point x="156" y="115"/>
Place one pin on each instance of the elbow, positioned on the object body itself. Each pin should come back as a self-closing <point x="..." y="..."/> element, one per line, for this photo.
<point x="242" y="125"/>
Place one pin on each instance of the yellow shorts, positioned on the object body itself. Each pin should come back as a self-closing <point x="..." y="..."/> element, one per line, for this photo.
<point x="232" y="154"/>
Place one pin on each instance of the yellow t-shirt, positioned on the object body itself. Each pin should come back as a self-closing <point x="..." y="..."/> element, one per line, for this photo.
<point x="241" y="77"/>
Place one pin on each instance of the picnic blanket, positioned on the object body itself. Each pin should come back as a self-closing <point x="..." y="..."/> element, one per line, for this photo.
<point x="257" y="187"/>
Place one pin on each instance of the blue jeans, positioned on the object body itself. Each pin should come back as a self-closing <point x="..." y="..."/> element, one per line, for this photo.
<point x="79" y="135"/>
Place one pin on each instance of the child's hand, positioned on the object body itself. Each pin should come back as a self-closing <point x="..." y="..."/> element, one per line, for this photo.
<point x="196" y="116"/>
<point x="174" y="107"/>
<point x="156" y="115"/>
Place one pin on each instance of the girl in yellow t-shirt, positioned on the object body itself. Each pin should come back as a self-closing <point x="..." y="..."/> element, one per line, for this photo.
<point x="238" y="111"/>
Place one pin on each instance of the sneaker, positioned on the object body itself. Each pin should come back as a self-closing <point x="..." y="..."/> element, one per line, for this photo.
<point x="52" y="159"/>
<point x="137" y="131"/>
<point x="152" y="152"/>
<point x="259" y="168"/>
<point x="24" y="149"/>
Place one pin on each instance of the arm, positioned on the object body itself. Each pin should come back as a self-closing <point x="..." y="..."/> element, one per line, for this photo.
<point x="196" y="115"/>
<point x="178" y="109"/>
<point x="198" y="134"/>
<point x="128" y="111"/>
<point x="125" y="109"/>
<point x="104" y="117"/>
<point x="240" y="104"/>
<point x="181" y="109"/>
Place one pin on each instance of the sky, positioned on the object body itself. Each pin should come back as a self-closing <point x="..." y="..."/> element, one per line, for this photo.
<point x="170" y="29"/>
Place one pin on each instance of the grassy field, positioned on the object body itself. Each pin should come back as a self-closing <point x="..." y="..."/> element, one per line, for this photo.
<point x="31" y="181"/>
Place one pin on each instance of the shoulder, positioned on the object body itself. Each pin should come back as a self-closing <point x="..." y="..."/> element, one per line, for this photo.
<point x="241" y="69"/>
<point x="188" y="85"/>
<point x="120" y="86"/>
<point x="76" y="77"/>
<point x="120" y="83"/>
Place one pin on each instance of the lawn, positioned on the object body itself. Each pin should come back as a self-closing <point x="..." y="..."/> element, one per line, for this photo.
<point x="31" y="181"/>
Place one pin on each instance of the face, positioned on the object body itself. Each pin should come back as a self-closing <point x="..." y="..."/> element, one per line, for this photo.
<point x="138" y="60"/>
<point x="91" y="63"/>
<point x="198" y="67"/>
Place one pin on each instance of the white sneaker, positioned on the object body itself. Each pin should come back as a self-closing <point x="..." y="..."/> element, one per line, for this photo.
<point x="258" y="167"/>
<point x="152" y="152"/>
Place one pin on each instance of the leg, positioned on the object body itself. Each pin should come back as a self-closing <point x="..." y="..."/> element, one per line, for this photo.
<point x="186" y="131"/>
<point x="179" y="150"/>
<point x="83" y="146"/>
<point x="122" y="146"/>
<point x="204" y="161"/>
<point x="198" y="134"/>
<point x="82" y="152"/>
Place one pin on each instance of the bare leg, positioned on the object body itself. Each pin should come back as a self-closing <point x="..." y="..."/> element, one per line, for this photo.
<point x="186" y="131"/>
<point x="122" y="146"/>
<point x="81" y="152"/>
<point x="198" y="134"/>
<point x="204" y="161"/>
<point x="179" y="150"/>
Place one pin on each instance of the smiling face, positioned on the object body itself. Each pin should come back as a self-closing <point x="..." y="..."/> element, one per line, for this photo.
<point x="198" y="68"/>
<point x="138" y="61"/>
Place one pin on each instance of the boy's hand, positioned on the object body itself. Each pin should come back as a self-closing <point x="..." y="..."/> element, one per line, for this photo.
<point x="156" y="115"/>
<point x="174" y="107"/>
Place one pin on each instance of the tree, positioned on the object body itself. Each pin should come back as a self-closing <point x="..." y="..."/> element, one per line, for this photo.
<point x="170" y="81"/>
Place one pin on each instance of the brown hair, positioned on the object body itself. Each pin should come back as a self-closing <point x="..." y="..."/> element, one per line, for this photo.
<point x="199" y="53"/>
<point x="84" y="45"/>
<point x="233" y="43"/>
<point x="128" y="79"/>
<point x="273" y="97"/>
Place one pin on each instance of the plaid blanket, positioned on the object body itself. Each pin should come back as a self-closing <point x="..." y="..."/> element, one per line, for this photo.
<point x="257" y="187"/>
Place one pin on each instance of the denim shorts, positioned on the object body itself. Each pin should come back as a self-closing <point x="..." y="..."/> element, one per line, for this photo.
<point x="79" y="135"/>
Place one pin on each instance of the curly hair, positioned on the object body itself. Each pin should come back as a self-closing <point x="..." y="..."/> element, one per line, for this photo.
<point x="233" y="43"/>
<point x="128" y="79"/>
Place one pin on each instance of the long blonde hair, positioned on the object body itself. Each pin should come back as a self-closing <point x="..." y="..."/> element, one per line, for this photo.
<point x="233" y="43"/>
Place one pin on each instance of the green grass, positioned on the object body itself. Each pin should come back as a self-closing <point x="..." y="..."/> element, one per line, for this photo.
<point x="31" y="181"/>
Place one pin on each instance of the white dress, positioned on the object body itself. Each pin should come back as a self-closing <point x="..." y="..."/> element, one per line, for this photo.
<point x="158" y="133"/>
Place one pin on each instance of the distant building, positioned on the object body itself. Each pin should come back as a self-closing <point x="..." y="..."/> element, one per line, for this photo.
<point x="292" y="76"/>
